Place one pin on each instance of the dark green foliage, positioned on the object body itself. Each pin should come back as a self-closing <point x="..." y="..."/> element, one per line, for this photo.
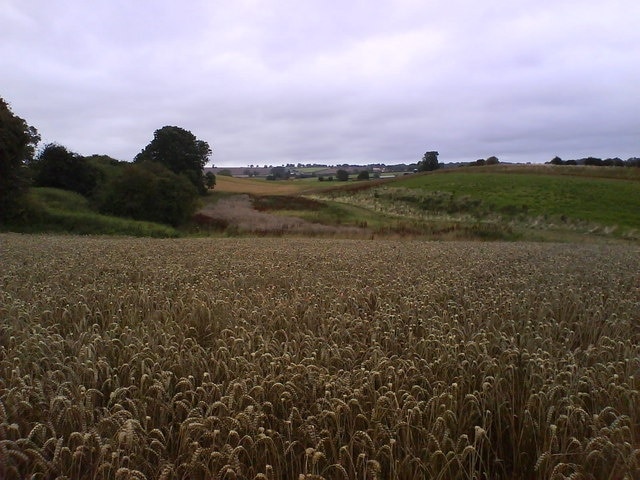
<point x="17" y="146"/>
<point x="210" y="180"/>
<point x="429" y="162"/>
<point x="57" y="167"/>
<point x="342" y="175"/>
<point x="149" y="191"/>
<point x="280" y="173"/>
<point x="596" y="162"/>
<point x="363" y="175"/>
<point x="179" y="151"/>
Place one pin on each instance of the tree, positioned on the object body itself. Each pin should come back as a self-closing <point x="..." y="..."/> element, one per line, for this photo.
<point x="429" y="162"/>
<point x="593" y="161"/>
<point x="363" y="175"/>
<point x="180" y="151"/>
<point x="210" y="179"/>
<point x="280" y="173"/>
<point x="342" y="175"/>
<point x="57" y="167"/>
<point x="492" y="160"/>
<point x="17" y="146"/>
<point x="149" y="191"/>
<point x="556" y="161"/>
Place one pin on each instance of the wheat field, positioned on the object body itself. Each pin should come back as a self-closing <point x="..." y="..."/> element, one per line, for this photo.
<point x="309" y="359"/>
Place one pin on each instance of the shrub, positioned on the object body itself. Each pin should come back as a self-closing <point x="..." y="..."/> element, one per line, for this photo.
<point x="342" y="175"/>
<point x="149" y="191"/>
<point x="58" y="167"/>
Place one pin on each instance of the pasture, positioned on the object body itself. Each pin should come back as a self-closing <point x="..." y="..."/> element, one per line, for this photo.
<point x="283" y="358"/>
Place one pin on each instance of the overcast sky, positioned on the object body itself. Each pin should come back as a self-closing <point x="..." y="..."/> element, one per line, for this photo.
<point x="329" y="81"/>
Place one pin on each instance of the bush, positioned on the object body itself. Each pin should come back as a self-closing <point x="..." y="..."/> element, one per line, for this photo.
<point x="57" y="167"/>
<point x="149" y="191"/>
<point x="342" y="175"/>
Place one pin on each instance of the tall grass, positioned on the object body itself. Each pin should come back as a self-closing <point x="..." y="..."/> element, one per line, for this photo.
<point x="293" y="358"/>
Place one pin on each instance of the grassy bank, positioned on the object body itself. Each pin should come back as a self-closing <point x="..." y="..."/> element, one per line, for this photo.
<point x="55" y="210"/>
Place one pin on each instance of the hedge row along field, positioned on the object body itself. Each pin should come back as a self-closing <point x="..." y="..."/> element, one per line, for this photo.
<point x="298" y="358"/>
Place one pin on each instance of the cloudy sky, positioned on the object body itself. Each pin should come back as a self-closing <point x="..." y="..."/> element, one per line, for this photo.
<point x="329" y="81"/>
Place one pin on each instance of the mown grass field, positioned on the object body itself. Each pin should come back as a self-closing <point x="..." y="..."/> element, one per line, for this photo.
<point x="281" y="358"/>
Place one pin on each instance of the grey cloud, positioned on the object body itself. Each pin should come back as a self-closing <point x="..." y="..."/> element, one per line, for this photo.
<point x="284" y="81"/>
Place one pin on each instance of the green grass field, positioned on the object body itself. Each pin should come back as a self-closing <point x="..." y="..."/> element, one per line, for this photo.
<point x="605" y="201"/>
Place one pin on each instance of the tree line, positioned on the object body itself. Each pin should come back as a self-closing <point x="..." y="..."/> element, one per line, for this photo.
<point x="598" y="162"/>
<point x="162" y="184"/>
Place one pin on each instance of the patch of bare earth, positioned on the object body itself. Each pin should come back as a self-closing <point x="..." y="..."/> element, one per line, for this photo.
<point x="237" y="212"/>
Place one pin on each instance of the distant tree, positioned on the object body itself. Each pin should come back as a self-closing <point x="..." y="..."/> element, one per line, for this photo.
<point x="481" y="162"/>
<point x="57" y="167"/>
<point x="280" y="173"/>
<point x="149" y="191"/>
<point x="180" y="151"/>
<point x="225" y="173"/>
<point x="613" y="162"/>
<point x="493" y="160"/>
<point x="596" y="162"/>
<point x="571" y="162"/>
<point x="210" y="180"/>
<point x="321" y="178"/>
<point x="363" y="175"/>
<point x="556" y="161"/>
<point x="342" y="175"/>
<point x="17" y="146"/>
<point x="429" y="162"/>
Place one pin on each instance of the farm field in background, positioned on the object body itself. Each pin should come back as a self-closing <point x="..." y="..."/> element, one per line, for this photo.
<point x="607" y="201"/>
<point x="274" y="358"/>
<point x="261" y="186"/>
<point x="503" y="202"/>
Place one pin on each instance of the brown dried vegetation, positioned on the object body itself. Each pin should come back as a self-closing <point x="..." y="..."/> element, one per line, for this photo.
<point x="294" y="358"/>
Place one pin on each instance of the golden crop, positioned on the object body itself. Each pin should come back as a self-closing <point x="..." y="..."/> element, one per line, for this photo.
<point x="298" y="358"/>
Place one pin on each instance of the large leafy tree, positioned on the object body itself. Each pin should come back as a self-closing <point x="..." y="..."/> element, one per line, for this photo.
<point x="429" y="162"/>
<point x="180" y="151"/>
<point x="17" y="146"/>
<point x="58" y="167"/>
